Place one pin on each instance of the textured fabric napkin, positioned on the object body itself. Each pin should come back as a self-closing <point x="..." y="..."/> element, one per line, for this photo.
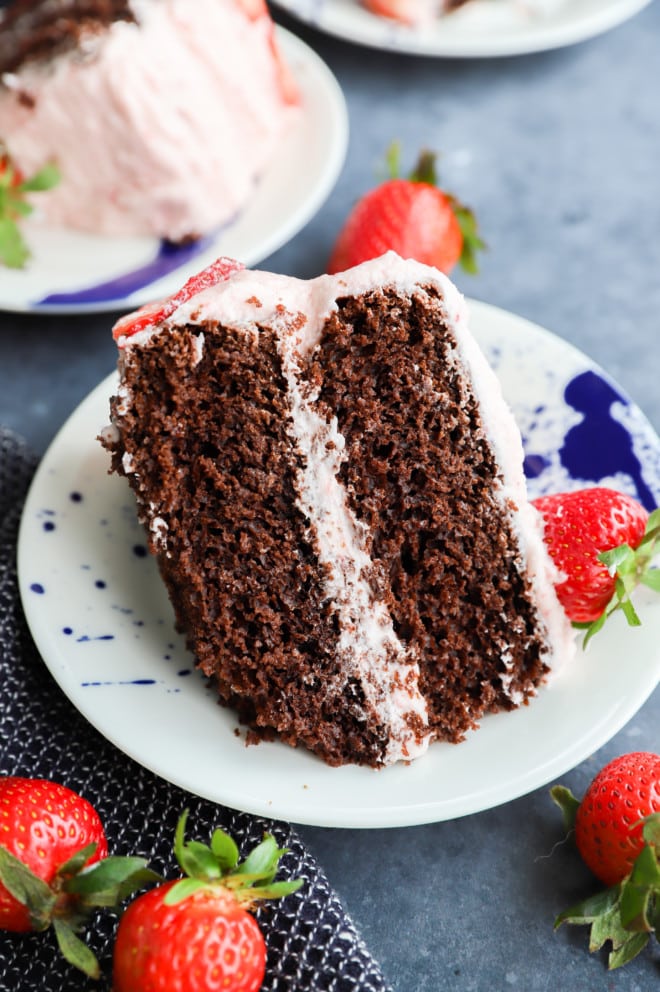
<point x="313" y="945"/>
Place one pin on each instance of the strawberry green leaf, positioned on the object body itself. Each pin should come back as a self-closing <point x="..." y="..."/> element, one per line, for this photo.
<point x="592" y="628"/>
<point x="640" y="891"/>
<point x="608" y="927"/>
<point x="75" y="950"/>
<point x="261" y="863"/>
<point x="652" y="579"/>
<point x="199" y="861"/>
<point x="628" y="950"/>
<point x="182" y="890"/>
<point x="31" y="891"/>
<point x="46" y="178"/>
<point x="590" y="909"/>
<point x="568" y="804"/>
<point x="77" y="861"/>
<point x="629" y="611"/>
<point x="225" y="850"/>
<point x="15" y="208"/>
<point x="276" y="889"/>
<point x="651" y="830"/>
<point x="13" y="250"/>
<point x="472" y="242"/>
<point x="393" y="161"/>
<point x="111" y="880"/>
<point x="618" y="559"/>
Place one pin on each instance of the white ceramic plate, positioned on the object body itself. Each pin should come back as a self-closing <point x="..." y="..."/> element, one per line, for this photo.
<point x="71" y="272"/>
<point x="102" y="621"/>
<point x="482" y="29"/>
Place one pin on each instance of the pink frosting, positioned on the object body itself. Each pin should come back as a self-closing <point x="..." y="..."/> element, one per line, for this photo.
<point x="160" y="127"/>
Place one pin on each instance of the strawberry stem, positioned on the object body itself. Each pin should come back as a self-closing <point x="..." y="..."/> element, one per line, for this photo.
<point x="219" y="864"/>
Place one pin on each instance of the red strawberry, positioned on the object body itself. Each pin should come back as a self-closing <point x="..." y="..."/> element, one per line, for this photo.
<point x="608" y="832"/>
<point x="602" y="542"/>
<point x="15" y="205"/>
<point x="196" y="934"/>
<point x="617" y="832"/>
<point x="206" y="942"/>
<point x="153" y="313"/>
<point x="412" y="217"/>
<point x="48" y="835"/>
<point x="43" y="824"/>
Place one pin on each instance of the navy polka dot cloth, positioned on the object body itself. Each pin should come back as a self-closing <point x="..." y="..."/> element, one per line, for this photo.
<point x="312" y="944"/>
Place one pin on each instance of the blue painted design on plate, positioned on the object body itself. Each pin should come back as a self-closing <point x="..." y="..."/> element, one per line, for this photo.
<point x="599" y="446"/>
<point x="168" y="258"/>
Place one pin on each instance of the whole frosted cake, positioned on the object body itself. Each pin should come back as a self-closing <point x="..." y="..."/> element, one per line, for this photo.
<point x="332" y="485"/>
<point x="160" y="114"/>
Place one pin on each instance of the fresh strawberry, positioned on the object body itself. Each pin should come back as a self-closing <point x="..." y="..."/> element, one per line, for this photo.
<point x="608" y="830"/>
<point x="15" y="206"/>
<point x="54" y="864"/>
<point x="617" y="833"/>
<point x="153" y="313"/>
<point x="412" y="217"/>
<point x="196" y="934"/>
<point x="603" y="543"/>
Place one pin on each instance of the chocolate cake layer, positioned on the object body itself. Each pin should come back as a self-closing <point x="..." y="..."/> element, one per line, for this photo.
<point x="421" y="476"/>
<point x="208" y="441"/>
<point x="41" y="29"/>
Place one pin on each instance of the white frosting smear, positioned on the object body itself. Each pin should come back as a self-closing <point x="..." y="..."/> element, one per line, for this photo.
<point x="160" y="127"/>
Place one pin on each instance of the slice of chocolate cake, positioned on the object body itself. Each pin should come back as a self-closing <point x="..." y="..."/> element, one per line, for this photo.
<point x="333" y="487"/>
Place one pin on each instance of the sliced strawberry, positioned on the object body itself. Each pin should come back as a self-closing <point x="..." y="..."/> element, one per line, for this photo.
<point x="153" y="313"/>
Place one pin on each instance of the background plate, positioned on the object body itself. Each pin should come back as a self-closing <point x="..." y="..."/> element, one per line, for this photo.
<point x="483" y="29"/>
<point x="102" y="621"/>
<point x="71" y="272"/>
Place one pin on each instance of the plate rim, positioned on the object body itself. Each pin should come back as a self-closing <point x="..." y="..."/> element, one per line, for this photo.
<point x="349" y="816"/>
<point x="370" y="31"/>
<point x="333" y="162"/>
